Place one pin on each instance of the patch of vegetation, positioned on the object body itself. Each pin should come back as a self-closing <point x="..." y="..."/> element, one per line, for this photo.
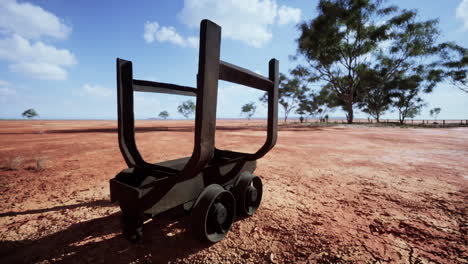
<point x="13" y="163"/>
<point x="39" y="163"/>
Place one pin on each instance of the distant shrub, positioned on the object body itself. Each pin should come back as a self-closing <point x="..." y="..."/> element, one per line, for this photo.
<point x="13" y="163"/>
<point x="39" y="163"/>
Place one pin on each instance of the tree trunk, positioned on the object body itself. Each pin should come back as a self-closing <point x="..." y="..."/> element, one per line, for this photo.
<point x="402" y="119"/>
<point x="401" y="116"/>
<point x="377" y="118"/>
<point x="349" y="116"/>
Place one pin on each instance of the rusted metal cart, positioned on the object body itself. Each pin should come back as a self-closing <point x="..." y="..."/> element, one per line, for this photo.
<point x="213" y="185"/>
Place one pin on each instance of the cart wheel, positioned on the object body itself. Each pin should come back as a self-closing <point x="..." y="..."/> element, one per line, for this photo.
<point x="213" y="213"/>
<point x="132" y="226"/>
<point x="248" y="191"/>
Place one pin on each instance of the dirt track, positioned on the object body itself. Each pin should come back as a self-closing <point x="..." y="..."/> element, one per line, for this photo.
<point x="331" y="195"/>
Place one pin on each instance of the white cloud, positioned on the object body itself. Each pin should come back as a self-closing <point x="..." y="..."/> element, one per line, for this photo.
<point x="95" y="90"/>
<point x="6" y="91"/>
<point x="462" y="12"/>
<point x="193" y="42"/>
<point x="153" y="32"/>
<point x="30" y="21"/>
<point x="4" y="83"/>
<point x="6" y="94"/>
<point x="39" y="70"/>
<point x="169" y="34"/>
<point x="19" y="49"/>
<point x="37" y="60"/>
<point x="249" y="21"/>
<point x="288" y="15"/>
<point x="22" y="26"/>
<point x="150" y="30"/>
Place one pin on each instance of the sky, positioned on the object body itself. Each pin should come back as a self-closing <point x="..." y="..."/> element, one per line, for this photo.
<point x="59" y="56"/>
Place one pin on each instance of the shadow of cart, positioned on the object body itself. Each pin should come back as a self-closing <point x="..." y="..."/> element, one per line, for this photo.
<point x="99" y="241"/>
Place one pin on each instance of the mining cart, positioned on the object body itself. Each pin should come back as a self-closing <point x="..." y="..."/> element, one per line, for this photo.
<point x="213" y="185"/>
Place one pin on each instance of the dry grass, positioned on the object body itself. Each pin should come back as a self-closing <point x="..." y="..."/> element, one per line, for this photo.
<point x="39" y="163"/>
<point x="13" y="163"/>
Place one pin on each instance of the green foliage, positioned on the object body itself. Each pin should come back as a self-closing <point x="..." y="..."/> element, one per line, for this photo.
<point x="164" y="115"/>
<point x="406" y="98"/>
<point x="335" y="43"/>
<point x="355" y="55"/>
<point x="249" y="109"/>
<point x="435" y="112"/>
<point x="454" y="65"/>
<point x="377" y="96"/>
<point x="187" y="108"/>
<point x="314" y="104"/>
<point x="290" y="92"/>
<point x="30" y="113"/>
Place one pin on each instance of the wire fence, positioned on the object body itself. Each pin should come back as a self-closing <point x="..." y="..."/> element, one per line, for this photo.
<point x="415" y="122"/>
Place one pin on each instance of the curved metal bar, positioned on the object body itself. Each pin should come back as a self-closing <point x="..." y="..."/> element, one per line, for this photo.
<point x="210" y="70"/>
<point x="272" y="127"/>
<point x="126" y="120"/>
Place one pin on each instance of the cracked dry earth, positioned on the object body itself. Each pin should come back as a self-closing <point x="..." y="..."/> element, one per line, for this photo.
<point x="343" y="194"/>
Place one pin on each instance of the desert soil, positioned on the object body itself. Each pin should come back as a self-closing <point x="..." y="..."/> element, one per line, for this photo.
<point x="342" y="194"/>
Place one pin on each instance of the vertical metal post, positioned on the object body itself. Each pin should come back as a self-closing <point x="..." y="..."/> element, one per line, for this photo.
<point x="272" y="127"/>
<point x="126" y="120"/>
<point x="207" y="97"/>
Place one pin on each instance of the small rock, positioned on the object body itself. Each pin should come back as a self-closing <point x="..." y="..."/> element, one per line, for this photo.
<point x="272" y="258"/>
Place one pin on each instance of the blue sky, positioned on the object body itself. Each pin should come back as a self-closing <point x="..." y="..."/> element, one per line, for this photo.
<point x="58" y="56"/>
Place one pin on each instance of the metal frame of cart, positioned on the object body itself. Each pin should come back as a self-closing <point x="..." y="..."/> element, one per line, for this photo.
<point x="215" y="185"/>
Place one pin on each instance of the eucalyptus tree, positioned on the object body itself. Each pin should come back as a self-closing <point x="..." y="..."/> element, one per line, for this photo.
<point x="316" y="103"/>
<point x="455" y="65"/>
<point x="377" y="97"/>
<point x="164" y="115"/>
<point x="435" y="112"/>
<point x="355" y="47"/>
<point x="187" y="108"/>
<point x="407" y="98"/>
<point x="290" y="92"/>
<point x="249" y="110"/>
<point x="30" y="113"/>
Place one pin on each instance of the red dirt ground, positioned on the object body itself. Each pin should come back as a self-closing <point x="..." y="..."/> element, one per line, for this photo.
<point x="342" y="194"/>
